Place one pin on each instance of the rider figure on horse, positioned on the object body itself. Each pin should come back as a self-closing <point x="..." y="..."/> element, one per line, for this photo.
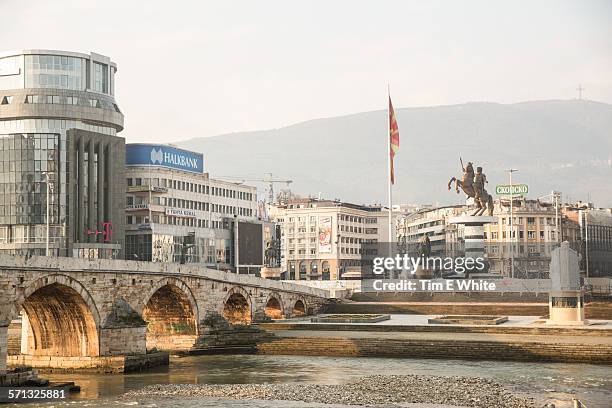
<point x="468" y="178"/>
<point x="479" y="181"/>
<point x="473" y="186"/>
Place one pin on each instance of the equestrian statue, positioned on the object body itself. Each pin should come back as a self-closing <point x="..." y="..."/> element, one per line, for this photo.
<point x="473" y="186"/>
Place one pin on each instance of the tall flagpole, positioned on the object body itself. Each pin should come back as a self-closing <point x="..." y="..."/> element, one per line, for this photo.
<point x="389" y="169"/>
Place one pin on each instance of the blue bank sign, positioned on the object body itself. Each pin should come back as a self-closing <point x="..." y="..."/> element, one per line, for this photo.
<point x="165" y="156"/>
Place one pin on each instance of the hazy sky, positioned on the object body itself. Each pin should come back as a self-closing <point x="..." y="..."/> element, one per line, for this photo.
<point x="201" y="68"/>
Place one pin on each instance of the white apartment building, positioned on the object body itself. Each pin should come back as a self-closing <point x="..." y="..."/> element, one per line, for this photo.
<point x="322" y="239"/>
<point x="528" y="244"/>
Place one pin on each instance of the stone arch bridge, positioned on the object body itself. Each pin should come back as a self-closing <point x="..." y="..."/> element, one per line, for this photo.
<point x="77" y="312"/>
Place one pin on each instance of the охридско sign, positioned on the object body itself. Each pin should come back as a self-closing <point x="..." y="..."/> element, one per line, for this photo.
<point x="165" y="156"/>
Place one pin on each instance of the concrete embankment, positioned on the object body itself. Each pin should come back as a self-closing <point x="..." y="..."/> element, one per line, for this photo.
<point x="416" y="328"/>
<point x="596" y="310"/>
<point x="480" y="346"/>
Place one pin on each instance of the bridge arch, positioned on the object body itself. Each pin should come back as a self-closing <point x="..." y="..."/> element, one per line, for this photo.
<point x="299" y="308"/>
<point x="60" y="318"/>
<point x="274" y="306"/>
<point x="172" y="315"/>
<point x="237" y="306"/>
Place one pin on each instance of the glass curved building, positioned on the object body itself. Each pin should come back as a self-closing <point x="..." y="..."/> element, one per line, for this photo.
<point x="58" y="133"/>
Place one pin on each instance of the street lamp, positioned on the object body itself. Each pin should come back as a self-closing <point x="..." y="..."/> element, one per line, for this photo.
<point x="48" y="182"/>
<point x="511" y="223"/>
<point x="338" y="257"/>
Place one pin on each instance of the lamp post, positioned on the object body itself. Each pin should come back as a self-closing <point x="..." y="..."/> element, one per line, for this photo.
<point x="338" y="257"/>
<point x="511" y="223"/>
<point x="557" y="194"/>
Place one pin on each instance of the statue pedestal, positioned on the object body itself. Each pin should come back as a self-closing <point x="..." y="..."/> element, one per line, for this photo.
<point x="422" y="273"/>
<point x="565" y="305"/>
<point x="473" y="228"/>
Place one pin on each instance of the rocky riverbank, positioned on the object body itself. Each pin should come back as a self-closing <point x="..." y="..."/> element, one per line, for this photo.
<point x="369" y="391"/>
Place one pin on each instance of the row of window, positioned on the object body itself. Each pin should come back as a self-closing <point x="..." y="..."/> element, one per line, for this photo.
<point x="64" y="100"/>
<point x="30" y="233"/>
<point x="66" y="72"/>
<point x="72" y="81"/>
<point x="53" y="62"/>
<point x="341" y="217"/>
<point x="190" y="187"/>
<point x="531" y="234"/>
<point x="141" y="202"/>
<point x="168" y="248"/>
<point x="180" y="221"/>
<point x="520" y="249"/>
<point x="353" y="218"/>
<point x="28" y="125"/>
<point x="350" y="228"/>
<point x="530" y="220"/>
<point x="313" y="240"/>
<point x="313" y="251"/>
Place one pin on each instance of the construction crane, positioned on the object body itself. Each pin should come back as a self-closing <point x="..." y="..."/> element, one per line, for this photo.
<point x="269" y="179"/>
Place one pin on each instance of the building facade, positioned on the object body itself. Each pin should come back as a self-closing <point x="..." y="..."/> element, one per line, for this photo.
<point x="432" y="222"/>
<point x="322" y="239"/>
<point x="176" y="213"/>
<point x="535" y="231"/>
<point x="58" y="135"/>
<point x="535" y="235"/>
<point x="593" y="232"/>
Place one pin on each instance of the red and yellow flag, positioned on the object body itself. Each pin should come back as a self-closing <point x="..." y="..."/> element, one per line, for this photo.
<point x="394" y="140"/>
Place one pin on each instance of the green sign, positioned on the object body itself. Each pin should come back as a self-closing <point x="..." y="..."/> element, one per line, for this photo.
<point x="517" y="189"/>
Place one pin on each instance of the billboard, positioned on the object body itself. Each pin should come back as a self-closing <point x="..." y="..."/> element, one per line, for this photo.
<point x="164" y="156"/>
<point x="250" y="244"/>
<point x="325" y="233"/>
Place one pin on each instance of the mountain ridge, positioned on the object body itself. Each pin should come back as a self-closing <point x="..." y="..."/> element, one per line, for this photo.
<point x="564" y="145"/>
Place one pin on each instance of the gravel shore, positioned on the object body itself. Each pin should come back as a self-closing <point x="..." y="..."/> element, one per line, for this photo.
<point x="371" y="391"/>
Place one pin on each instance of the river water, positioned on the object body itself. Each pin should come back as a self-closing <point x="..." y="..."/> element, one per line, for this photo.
<point x="546" y="382"/>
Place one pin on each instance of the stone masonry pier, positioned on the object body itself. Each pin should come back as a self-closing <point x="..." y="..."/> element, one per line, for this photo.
<point x="72" y="313"/>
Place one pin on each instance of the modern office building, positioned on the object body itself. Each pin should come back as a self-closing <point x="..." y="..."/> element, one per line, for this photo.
<point x="432" y="222"/>
<point x="176" y="213"/>
<point x="58" y="134"/>
<point x="322" y="239"/>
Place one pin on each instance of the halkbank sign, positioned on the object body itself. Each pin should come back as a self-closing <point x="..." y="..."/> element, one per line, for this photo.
<point x="138" y="154"/>
<point x="514" y="189"/>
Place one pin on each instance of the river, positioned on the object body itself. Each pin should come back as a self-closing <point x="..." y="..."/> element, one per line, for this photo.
<point x="546" y="382"/>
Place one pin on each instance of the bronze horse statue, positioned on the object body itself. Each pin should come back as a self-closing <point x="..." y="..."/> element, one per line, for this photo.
<point x="482" y="199"/>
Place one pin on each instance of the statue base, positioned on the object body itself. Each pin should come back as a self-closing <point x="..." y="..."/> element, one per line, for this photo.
<point x="422" y="273"/>
<point x="473" y="233"/>
<point x="566" y="308"/>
